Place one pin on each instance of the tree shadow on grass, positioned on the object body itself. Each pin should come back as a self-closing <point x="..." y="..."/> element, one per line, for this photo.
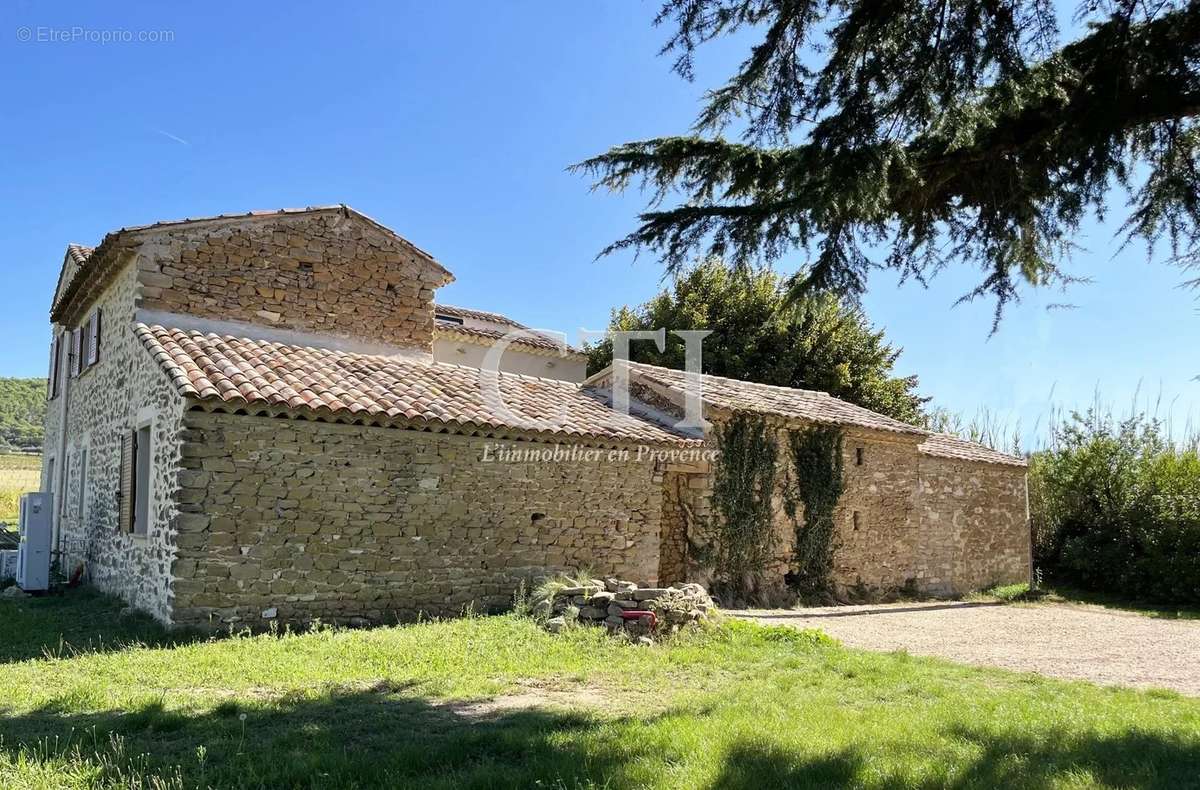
<point x="386" y="736"/>
<point x="367" y="738"/>
<point x="78" y="621"/>
<point x="1129" y="759"/>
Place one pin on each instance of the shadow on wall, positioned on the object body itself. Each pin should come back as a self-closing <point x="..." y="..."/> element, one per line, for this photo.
<point x="385" y="736"/>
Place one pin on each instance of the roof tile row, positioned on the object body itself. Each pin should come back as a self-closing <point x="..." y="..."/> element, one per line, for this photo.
<point x="239" y="370"/>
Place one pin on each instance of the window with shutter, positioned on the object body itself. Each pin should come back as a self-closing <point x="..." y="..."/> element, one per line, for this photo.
<point x="94" y="346"/>
<point x="50" y="374"/>
<point x="74" y="358"/>
<point x="55" y="365"/>
<point x="126" y="492"/>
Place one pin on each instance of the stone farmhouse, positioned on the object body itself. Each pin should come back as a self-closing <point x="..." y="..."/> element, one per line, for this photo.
<point x="268" y="416"/>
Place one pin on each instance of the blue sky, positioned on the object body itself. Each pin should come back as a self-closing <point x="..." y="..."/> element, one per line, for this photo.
<point x="453" y="124"/>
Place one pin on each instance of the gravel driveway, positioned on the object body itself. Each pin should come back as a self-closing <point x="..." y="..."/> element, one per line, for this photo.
<point x="1060" y="640"/>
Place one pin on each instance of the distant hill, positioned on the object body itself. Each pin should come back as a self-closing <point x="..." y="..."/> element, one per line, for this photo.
<point x="22" y="414"/>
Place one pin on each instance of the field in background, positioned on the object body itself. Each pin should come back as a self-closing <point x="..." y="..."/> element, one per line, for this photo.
<point x="18" y="475"/>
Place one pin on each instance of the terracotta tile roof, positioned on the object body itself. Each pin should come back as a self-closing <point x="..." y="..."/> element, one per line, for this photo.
<point x="480" y="315"/>
<point x="735" y="395"/>
<point x="946" y="446"/>
<point x="79" y="253"/>
<point x="489" y="336"/>
<point x="239" y="371"/>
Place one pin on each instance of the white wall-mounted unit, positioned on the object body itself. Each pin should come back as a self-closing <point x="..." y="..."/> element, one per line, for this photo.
<point x="33" y="555"/>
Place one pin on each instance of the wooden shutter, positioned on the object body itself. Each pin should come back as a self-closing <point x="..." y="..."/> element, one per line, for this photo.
<point x="94" y="336"/>
<point x="55" y="358"/>
<point x="50" y="374"/>
<point x="75" y="361"/>
<point x="128" y="464"/>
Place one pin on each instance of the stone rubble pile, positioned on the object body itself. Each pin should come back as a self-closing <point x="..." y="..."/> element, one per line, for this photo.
<point x="624" y="608"/>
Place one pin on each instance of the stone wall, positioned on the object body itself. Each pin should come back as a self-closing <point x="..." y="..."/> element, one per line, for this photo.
<point x="317" y="272"/>
<point x="878" y="531"/>
<point x="974" y="524"/>
<point x="107" y="401"/>
<point x="905" y="521"/>
<point x="300" y="519"/>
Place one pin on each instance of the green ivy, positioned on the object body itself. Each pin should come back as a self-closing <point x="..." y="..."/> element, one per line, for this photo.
<point x="817" y="461"/>
<point x="743" y="484"/>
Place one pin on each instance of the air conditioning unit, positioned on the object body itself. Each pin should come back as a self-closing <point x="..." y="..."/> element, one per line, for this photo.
<point x="33" y="554"/>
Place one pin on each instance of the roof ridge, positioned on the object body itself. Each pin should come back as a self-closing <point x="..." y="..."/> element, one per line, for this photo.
<point x="745" y="381"/>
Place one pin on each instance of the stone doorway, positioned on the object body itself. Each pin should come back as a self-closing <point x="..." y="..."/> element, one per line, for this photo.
<point x="685" y="505"/>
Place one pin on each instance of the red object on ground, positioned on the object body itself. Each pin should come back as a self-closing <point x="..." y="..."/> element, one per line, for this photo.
<point x="638" y="614"/>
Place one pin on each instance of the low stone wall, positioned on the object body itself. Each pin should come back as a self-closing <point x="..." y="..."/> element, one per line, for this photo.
<point x="624" y="608"/>
<point x="291" y="520"/>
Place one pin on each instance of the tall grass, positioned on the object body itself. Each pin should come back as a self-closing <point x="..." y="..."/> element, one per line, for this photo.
<point x="18" y="474"/>
<point x="1114" y="495"/>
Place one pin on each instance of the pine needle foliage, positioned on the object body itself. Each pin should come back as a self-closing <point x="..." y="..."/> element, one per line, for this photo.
<point x="922" y="134"/>
<point x="742" y="498"/>
<point x="816" y="455"/>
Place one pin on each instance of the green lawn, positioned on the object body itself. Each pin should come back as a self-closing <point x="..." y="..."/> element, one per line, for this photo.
<point x="455" y="703"/>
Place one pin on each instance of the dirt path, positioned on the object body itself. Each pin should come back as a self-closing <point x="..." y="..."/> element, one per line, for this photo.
<point x="1060" y="640"/>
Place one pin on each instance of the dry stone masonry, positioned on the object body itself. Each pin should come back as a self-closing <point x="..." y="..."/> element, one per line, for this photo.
<point x="624" y="608"/>
<point x="309" y="458"/>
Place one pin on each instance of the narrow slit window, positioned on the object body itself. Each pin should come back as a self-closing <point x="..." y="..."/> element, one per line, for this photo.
<point x="858" y="456"/>
<point x="81" y="505"/>
<point x="141" y="486"/>
<point x="857" y="521"/>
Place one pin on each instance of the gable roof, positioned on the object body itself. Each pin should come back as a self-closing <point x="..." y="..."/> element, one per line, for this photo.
<point x="479" y="315"/>
<point x="533" y="340"/>
<point x="811" y="405"/>
<point x="747" y="396"/>
<point x="945" y="445"/>
<point x="74" y="259"/>
<point x="235" y="372"/>
<point x="91" y="264"/>
<point x="488" y="335"/>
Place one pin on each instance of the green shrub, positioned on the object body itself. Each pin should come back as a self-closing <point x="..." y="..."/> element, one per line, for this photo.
<point x="1116" y="508"/>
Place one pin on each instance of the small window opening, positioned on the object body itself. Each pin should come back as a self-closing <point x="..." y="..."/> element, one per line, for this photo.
<point x="858" y="456"/>
<point x="857" y="521"/>
<point x="141" y="486"/>
<point x="536" y="517"/>
<point x="81" y="504"/>
<point x="448" y="319"/>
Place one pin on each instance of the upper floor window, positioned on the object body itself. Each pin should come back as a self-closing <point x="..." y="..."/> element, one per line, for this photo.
<point x="89" y="352"/>
<point x="53" y="380"/>
<point x="81" y="349"/>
